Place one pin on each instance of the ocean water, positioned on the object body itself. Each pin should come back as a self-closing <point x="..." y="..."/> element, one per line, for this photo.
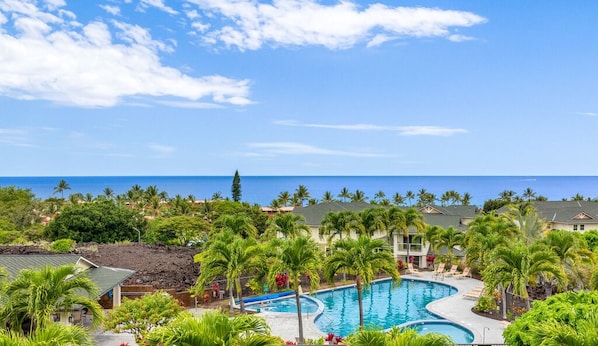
<point x="263" y="189"/>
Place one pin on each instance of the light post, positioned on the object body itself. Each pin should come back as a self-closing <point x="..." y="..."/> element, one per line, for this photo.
<point x="138" y="235"/>
<point x="484" y="336"/>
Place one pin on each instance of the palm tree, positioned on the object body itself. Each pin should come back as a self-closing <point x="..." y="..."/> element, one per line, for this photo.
<point x="363" y="257"/>
<point x="37" y="294"/>
<point x="339" y="224"/>
<point x="217" y="196"/>
<point x="238" y="223"/>
<point x="450" y="237"/>
<point x="410" y="196"/>
<point x="358" y="196"/>
<point x="507" y="195"/>
<point x="302" y="194"/>
<point x="298" y="256"/>
<point x="483" y="235"/>
<point x="344" y="194"/>
<point x="284" y="198"/>
<point x="517" y="265"/>
<point x="373" y="220"/>
<point x="466" y="199"/>
<point x="61" y="187"/>
<point x="327" y="197"/>
<point x="214" y="328"/>
<point x="379" y="196"/>
<point x="398" y="199"/>
<point x="528" y="194"/>
<point x="574" y="254"/>
<point x="230" y="255"/>
<point x="289" y="225"/>
<point x="530" y="224"/>
<point x="109" y="193"/>
<point x="397" y="337"/>
<point x="403" y="221"/>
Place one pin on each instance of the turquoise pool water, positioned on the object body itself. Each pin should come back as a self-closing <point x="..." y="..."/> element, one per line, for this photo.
<point x="288" y="304"/>
<point x="458" y="334"/>
<point x="384" y="304"/>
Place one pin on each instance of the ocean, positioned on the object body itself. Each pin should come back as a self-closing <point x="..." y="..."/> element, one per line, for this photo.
<point x="263" y="189"/>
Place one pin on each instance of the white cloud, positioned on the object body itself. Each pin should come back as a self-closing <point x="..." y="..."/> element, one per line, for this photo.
<point x="590" y="114"/>
<point x="251" y="24"/>
<point x="293" y="148"/>
<point x="402" y="130"/>
<point x="460" y="38"/>
<point x="113" y="10"/>
<point x="45" y="56"/>
<point x="159" y="4"/>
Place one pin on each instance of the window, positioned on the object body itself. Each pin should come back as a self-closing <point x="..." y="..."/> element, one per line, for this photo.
<point x="575" y="227"/>
<point x="581" y="227"/>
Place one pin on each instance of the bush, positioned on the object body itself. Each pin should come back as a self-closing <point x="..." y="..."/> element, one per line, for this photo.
<point x="139" y="316"/>
<point x="63" y="245"/>
<point x="486" y="304"/>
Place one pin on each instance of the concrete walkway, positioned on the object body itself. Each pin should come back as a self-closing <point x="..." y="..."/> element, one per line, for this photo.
<point x="455" y="308"/>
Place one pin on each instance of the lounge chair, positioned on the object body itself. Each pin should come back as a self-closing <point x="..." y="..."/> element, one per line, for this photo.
<point x="463" y="274"/>
<point x="439" y="271"/>
<point x="475" y="293"/>
<point x="452" y="271"/>
<point x="411" y="270"/>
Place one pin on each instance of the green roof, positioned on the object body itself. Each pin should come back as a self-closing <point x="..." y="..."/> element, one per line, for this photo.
<point x="314" y="214"/>
<point x="104" y="277"/>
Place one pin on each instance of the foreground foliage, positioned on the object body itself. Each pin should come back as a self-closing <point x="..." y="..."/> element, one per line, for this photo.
<point x="214" y="328"/>
<point x="51" y="335"/>
<point x="396" y="337"/>
<point x="564" y="319"/>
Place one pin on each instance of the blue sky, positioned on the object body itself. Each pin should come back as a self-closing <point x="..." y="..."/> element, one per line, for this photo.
<point x="205" y="87"/>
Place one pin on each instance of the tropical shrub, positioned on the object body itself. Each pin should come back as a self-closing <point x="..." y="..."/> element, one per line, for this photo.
<point x="486" y="304"/>
<point x="62" y="245"/>
<point x="139" y="316"/>
<point x="572" y="315"/>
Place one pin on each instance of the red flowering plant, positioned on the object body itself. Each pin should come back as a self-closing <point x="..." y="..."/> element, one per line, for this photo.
<point x="329" y="337"/>
<point x="288" y="342"/>
<point x="338" y="339"/>
<point x="281" y="280"/>
<point x="400" y="264"/>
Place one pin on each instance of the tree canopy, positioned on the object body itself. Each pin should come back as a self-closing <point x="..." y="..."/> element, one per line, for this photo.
<point x="101" y="222"/>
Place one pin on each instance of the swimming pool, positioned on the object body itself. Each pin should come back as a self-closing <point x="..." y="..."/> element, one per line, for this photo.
<point x="384" y="305"/>
<point x="458" y="334"/>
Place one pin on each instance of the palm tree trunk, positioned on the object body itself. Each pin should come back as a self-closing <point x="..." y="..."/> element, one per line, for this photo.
<point x="298" y="302"/>
<point x="240" y="294"/>
<point x="503" y="293"/>
<point x="231" y="303"/>
<point x="359" y="300"/>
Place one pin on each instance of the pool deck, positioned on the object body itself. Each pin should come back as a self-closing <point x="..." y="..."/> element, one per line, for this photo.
<point x="455" y="308"/>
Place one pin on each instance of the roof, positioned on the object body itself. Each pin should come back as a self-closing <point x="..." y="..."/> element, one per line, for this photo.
<point x="104" y="277"/>
<point x="565" y="211"/>
<point x="314" y="214"/>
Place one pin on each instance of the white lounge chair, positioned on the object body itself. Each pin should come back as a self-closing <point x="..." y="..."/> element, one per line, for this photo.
<point x="439" y="271"/>
<point x="475" y="293"/>
<point x="452" y="271"/>
<point x="411" y="270"/>
<point x="465" y="273"/>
